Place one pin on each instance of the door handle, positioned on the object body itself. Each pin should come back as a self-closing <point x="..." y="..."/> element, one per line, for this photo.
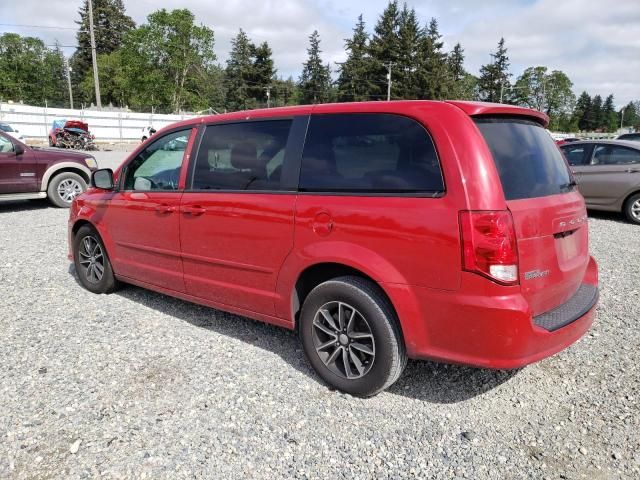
<point x="164" y="208"/>
<point x="633" y="170"/>
<point x="194" y="210"/>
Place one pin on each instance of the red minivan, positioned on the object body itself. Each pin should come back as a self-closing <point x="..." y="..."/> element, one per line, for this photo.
<point x="381" y="231"/>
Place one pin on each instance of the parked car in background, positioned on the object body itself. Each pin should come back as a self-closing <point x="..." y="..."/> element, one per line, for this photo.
<point x="381" y="231"/>
<point x="608" y="174"/>
<point x="72" y="134"/>
<point x="147" y="132"/>
<point x="635" y="137"/>
<point x="28" y="173"/>
<point x="562" y="141"/>
<point x="9" y="130"/>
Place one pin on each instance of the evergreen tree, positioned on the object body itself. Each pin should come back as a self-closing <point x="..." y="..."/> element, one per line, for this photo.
<point x="315" y="81"/>
<point x="354" y="84"/>
<point x="609" y="115"/>
<point x="493" y="83"/>
<point x="596" y="112"/>
<point x="263" y="73"/>
<point x="583" y="112"/>
<point x="630" y="116"/>
<point x="110" y="25"/>
<point x="405" y="78"/>
<point x="456" y="63"/>
<point x="239" y="72"/>
<point x="463" y="84"/>
<point x="384" y="48"/>
<point x="433" y="70"/>
<point x="55" y="65"/>
<point x="285" y="92"/>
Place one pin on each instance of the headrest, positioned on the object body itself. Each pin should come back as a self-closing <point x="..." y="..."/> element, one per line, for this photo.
<point x="244" y="156"/>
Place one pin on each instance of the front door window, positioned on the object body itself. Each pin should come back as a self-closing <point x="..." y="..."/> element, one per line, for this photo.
<point x="157" y="167"/>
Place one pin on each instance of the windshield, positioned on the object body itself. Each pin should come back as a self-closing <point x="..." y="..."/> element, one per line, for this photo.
<point x="527" y="159"/>
<point x="6" y="128"/>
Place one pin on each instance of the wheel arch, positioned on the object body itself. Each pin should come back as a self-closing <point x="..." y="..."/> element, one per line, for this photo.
<point x="81" y="223"/>
<point x="63" y="167"/>
<point x="314" y="275"/>
<point x="628" y="197"/>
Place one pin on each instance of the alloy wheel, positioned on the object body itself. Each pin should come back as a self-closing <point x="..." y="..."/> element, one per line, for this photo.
<point x="91" y="259"/>
<point x="635" y="210"/>
<point x="69" y="189"/>
<point x="343" y="340"/>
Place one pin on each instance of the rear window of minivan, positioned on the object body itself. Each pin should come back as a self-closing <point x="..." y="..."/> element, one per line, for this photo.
<point x="528" y="161"/>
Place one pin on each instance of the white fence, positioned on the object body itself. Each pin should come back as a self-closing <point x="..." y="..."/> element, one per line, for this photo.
<point x="35" y="122"/>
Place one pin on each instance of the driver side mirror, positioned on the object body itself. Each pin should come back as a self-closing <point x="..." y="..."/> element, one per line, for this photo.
<point x="18" y="149"/>
<point x="102" y="179"/>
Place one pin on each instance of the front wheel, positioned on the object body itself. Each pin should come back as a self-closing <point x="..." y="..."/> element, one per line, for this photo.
<point x="92" y="262"/>
<point x="632" y="209"/>
<point x="350" y="335"/>
<point x="64" y="187"/>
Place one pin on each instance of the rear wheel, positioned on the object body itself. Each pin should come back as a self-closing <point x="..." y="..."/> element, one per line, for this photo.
<point x="92" y="262"/>
<point x="351" y="336"/>
<point x="64" y="187"/>
<point x="632" y="209"/>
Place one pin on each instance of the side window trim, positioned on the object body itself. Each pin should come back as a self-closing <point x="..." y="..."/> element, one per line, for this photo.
<point x="290" y="163"/>
<point x="125" y="167"/>
<point x="588" y="161"/>
<point x="593" y="154"/>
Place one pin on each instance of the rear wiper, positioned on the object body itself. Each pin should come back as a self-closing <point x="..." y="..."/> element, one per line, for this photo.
<point x="569" y="185"/>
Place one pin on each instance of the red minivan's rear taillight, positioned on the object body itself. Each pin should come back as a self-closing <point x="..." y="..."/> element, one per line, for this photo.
<point x="489" y="245"/>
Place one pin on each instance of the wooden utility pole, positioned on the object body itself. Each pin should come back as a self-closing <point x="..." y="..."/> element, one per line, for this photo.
<point x="96" y="81"/>
<point x="67" y="69"/>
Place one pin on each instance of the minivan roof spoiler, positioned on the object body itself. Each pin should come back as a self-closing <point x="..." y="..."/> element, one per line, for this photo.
<point x="474" y="109"/>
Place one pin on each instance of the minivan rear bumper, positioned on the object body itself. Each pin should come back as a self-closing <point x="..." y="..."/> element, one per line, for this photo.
<point x="492" y="330"/>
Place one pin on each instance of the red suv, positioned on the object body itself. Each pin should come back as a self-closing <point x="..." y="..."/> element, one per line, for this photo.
<point x="380" y="231"/>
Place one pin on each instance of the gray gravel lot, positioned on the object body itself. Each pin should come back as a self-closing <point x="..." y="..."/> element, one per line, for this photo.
<point x="136" y="384"/>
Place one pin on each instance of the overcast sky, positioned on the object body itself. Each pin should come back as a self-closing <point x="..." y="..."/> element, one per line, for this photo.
<point x="595" y="42"/>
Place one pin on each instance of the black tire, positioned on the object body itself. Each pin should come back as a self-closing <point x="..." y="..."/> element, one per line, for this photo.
<point x="390" y="358"/>
<point x="64" y="200"/>
<point x="83" y="242"/>
<point x="632" y="204"/>
<point x="143" y="139"/>
<point x="50" y="142"/>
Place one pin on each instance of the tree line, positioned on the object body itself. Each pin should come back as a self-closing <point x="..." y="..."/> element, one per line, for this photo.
<point x="168" y="64"/>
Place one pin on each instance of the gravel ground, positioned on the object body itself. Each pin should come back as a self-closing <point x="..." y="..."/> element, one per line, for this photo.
<point x="136" y="384"/>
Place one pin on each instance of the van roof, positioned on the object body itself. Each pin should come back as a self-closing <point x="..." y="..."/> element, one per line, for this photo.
<point x="468" y="107"/>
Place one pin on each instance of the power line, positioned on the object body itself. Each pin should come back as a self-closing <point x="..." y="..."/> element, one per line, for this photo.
<point x="65" y="46"/>
<point x="39" y="26"/>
